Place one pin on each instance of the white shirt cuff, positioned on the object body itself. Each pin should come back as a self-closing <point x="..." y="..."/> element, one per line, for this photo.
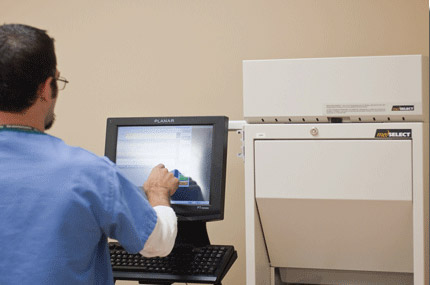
<point x="162" y="238"/>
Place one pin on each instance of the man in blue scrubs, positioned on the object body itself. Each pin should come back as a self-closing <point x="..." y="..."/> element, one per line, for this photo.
<point x="58" y="204"/>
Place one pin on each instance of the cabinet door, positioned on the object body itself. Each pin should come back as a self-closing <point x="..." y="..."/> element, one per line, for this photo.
<point x="336" y="204"/>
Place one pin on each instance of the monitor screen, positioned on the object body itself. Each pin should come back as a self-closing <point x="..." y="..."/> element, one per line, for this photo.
<point x="185" y="150"/>
<point x="192" y="148"/>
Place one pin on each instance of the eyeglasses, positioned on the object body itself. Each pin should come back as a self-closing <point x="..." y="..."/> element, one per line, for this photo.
<point x="62" y="82"/>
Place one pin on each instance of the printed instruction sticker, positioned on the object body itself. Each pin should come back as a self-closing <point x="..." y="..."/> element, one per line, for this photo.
<point x="340" y="109"/>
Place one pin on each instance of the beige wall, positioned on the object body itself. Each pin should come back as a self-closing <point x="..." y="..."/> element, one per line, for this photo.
<point x="184" y="57"/>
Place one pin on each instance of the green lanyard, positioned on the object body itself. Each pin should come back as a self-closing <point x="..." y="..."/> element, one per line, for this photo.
<point x="20" y="128"/>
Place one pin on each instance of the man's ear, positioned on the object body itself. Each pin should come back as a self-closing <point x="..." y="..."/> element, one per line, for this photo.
<point x="44" y="90"/>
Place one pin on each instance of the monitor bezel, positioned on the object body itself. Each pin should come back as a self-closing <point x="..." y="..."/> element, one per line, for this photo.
<point x="215" y="210"/>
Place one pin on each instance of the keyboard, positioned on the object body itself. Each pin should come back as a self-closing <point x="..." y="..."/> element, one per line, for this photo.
<point x="207" y="264"/>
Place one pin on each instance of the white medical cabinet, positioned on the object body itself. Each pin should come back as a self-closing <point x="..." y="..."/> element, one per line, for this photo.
<point x="336" y="170"/>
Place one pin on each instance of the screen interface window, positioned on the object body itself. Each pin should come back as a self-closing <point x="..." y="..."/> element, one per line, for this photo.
<point x="185" y="150"/>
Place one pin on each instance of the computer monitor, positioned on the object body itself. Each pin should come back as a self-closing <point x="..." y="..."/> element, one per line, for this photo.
<point x="194" y="149"/>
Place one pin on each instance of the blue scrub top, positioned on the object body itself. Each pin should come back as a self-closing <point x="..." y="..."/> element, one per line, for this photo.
<point x="58" y="205"/>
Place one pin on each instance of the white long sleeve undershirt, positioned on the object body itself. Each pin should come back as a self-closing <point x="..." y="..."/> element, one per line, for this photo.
<point x="162" y="238"/>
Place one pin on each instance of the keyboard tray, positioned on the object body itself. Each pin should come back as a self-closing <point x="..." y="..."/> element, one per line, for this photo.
<point x="207" y="264"/>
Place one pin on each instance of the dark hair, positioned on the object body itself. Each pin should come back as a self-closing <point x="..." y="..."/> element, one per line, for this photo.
<point x="27" y="59"/>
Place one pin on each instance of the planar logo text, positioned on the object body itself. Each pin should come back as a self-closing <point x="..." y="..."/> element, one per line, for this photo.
<point x="164" y="121"/>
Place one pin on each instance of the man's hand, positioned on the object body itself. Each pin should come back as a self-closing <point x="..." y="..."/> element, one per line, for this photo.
<point x="160" y="185"/>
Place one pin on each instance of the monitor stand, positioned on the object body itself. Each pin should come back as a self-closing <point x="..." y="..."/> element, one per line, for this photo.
<point x="192" y="234"/>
